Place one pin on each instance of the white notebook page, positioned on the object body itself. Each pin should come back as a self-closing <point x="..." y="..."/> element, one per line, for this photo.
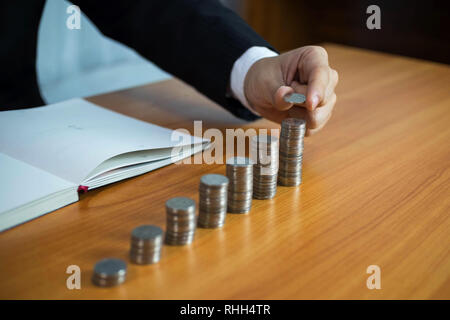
<point x="71" y="138"/>
<point x="22" y="183"/>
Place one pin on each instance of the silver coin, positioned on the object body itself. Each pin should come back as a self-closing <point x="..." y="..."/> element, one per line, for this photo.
<point x="147" y="233"/>
<point x="145" y="259"/>
<point x="175" y="228"/>
<point x="240" y="196"/>
<point x="213" y="192"/>
<point x="265" y="196"/>
<point x="145" y="250"/>
<point x="178" y="241"/>
<point x="145" y="255"/>
<point x="239" y="162"/>
<point x="295" y="98"/>
<point x="294" y="123"/>
<point x="289" y="182"/>
<point x="110" y="267"/>
<point x="214" y="180"/>
<point x="241" y="210"/>
<point x="180" y="204"/>
<point x="109" y="272"/>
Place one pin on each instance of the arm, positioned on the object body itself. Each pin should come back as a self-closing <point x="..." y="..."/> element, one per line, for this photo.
<point x="198" y="41"/>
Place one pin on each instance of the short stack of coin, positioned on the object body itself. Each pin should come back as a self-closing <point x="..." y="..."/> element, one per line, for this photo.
<point x="181" y="221"/>
<point x="213" y="201"/>
<point x="109" y="272"/>
<point x="146" y="242"/>
<point x="291" y="151"/>
<point x="240" y="188"/>
<point x="264" y="154"/>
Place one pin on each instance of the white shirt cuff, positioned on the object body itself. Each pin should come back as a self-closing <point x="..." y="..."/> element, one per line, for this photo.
<point x="240" y="69"/>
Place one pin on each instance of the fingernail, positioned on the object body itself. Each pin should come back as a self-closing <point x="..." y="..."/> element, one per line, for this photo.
<point x="315" y="101"/>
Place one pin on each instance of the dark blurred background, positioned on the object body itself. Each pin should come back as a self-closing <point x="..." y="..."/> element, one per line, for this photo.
<point x="412" y="28"/>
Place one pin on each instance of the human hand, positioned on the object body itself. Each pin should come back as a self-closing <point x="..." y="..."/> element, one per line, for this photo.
<point x="304" y="70"/>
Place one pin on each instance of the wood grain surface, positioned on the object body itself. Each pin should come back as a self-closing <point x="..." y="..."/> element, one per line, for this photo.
<point x="375" y="191"/>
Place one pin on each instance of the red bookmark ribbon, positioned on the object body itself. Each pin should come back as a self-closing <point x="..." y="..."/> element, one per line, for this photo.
<point x="83" y="189"/>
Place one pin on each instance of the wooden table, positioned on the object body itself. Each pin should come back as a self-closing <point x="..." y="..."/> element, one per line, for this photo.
<point x="376" y="191"/>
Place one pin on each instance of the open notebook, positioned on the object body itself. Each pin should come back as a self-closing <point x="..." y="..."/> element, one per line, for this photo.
<point x="49" y="153"/>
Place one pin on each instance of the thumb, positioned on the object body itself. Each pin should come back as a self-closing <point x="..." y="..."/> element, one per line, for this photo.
<point x="278" y="100"/>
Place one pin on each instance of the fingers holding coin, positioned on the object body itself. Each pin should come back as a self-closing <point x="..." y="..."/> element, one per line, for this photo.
<point x="315" y="119"/>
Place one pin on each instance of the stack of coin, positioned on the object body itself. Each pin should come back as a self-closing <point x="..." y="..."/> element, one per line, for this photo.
<point x="264" y="154"/>
<point x="109" y="272"/>
<point x="213" y="201"/>
<point x="181" y="221"/>
<point x="291" y="151"/>
<point x="146" y="244"/>
<point x="240" y="188"/>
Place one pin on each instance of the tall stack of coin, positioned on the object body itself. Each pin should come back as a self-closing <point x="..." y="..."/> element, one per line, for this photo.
<point x="240" y="188"/>
<point x="264" y="153"/>
<point x="109" y="272"/>
<point x="213" y="201"/>
<point x="181" y="221"/>
<point x="291" y="151"/>
<point x="146" y="244"/>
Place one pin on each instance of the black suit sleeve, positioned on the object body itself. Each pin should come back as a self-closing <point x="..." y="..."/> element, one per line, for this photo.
<point x="198" y="41"/>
